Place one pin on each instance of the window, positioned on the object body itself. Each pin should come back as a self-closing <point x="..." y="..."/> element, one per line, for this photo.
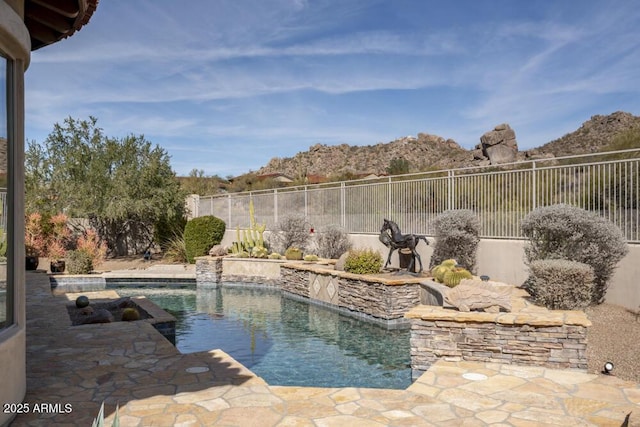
<point x="5" y="297"/>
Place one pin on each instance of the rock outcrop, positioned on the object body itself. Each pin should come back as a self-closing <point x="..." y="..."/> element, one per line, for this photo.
<point x="497" y="146"/>
<point x="432" y="152"/>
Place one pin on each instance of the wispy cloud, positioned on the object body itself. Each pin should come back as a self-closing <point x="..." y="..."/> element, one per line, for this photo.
<point x="247" y="80"/>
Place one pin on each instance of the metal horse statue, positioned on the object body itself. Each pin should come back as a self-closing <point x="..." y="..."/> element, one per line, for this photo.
<point x="392" y="238"/>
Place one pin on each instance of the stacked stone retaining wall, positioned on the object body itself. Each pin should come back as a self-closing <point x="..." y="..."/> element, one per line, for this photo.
<point x="528" y="336"/>
<point x="376" y="297"/>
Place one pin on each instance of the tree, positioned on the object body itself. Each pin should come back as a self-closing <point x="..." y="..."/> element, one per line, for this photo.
<point x="125" y="187"/>
<point x="398" y="166"/>
<point x="199" y="183"/>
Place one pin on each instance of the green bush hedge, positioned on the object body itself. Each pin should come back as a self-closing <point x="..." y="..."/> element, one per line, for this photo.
<point x="560" y="284"/>
<point x="363" y="261"/>
<point x="201" y="234"/>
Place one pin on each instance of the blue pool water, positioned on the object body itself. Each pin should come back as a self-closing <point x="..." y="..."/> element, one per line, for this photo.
<point x="285" y="341"/>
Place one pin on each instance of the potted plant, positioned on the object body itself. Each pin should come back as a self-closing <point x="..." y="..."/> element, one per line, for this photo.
<point x="34" y="239"/>
<point x="57" y="243"/>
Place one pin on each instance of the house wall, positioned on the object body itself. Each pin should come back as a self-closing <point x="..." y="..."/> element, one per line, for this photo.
<point x="14" y="45"/>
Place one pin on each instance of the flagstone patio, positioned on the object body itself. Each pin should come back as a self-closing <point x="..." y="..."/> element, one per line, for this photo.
<point x="134" y="366"/>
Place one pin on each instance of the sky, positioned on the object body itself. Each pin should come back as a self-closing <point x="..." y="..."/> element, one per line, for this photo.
<point x="224" y="86"/>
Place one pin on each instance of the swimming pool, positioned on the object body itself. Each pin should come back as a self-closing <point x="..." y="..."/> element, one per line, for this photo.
<point x="285" y="341"/>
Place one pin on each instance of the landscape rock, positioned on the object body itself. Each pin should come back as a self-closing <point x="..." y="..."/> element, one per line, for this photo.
<point x="100" y="316"/>
<point x="218" y="250"/>
<point x="340" y="263"/>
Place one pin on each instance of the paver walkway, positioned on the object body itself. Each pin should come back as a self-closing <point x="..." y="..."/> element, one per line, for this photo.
<point x="75" y="368"/>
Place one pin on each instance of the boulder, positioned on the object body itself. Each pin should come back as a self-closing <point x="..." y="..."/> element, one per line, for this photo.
<point x="499" y="145"/>
<point x="340" y="263"/>
<point x="218" y="250"/>
<point x="100" y="316"/>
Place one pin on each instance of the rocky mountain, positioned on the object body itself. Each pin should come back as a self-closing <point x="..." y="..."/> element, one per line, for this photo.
<point x="594" y="135"/>
<point x="432" y="152"/>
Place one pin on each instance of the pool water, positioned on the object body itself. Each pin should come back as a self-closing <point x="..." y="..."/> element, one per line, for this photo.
<point x="285" y="341"/>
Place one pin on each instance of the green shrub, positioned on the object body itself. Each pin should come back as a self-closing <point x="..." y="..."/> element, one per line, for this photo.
<point x="332" y="242"/>
<point x="201" y="234"/>
<point x="560" y="284"/>
<point x="571" y="233"/>
<point x="457" y="237"/>
<point x="363" y="261"/>
<point x="79" y="262"/>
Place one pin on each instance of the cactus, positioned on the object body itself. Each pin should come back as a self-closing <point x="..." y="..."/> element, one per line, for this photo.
<point x="293" y="254"/>
<point x="130" y="314"/>
<point x="275" y="255"/>
<point x="449" y="263"/>
<point x="439" y="271"/>
<point x="251" y="238"/>
<point x="259" y="252"/>
<point x="311" y="258"/>
<point x="242" y="254"/>
<point x="453" y="277"/>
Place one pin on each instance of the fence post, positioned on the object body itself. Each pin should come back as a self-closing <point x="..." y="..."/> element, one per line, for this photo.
<point x="306" y="207"/>
<point x="389" y="197"/>
<point x="343" y="207"/>
<point x="450" y="189"/>
<point x="534" y="185"/>
<point x="275" y="206"/>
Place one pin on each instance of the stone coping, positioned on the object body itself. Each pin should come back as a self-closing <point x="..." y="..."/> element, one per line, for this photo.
<point x="533" y="317"/>
<point x="523" y="312"/>
<point x="389" y="279"/>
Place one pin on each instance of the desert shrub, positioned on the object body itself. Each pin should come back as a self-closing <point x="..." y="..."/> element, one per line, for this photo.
<point x="560" y="284"/>
<point x="571" y="233"/>
<point x="332" y="242"/>
<point x="79" y="262"/>
<point x="363" y="261"/>
<point x="457" y="237"/>
<point x="290" y="231"/>
<point x="175" y="249"/>
<point x="201" y="234"/>
<point x="90" y="244"/>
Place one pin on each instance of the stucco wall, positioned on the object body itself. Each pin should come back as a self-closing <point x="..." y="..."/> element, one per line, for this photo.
<point x="14" y="43"/>
<point x="503" y="260"/>
<point x="12" y="368"/>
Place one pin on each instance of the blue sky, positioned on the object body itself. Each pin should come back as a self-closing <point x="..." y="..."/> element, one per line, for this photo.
<point x="226" y="85"/>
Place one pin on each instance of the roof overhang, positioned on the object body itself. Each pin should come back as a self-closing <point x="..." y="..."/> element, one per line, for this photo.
<point x="49" y="21"/>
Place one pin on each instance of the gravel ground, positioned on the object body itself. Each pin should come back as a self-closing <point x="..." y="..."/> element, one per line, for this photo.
<point x="615" y="337"/>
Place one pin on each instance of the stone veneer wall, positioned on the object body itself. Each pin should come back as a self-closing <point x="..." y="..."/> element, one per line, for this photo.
<point x="208" y="270"/>
<point x="540" y="337"/>
<point x="384" y="299"/>
<point x="211" y="271"/>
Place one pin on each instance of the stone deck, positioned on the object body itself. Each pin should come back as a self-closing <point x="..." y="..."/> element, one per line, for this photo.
<point x="132" y="365"/>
